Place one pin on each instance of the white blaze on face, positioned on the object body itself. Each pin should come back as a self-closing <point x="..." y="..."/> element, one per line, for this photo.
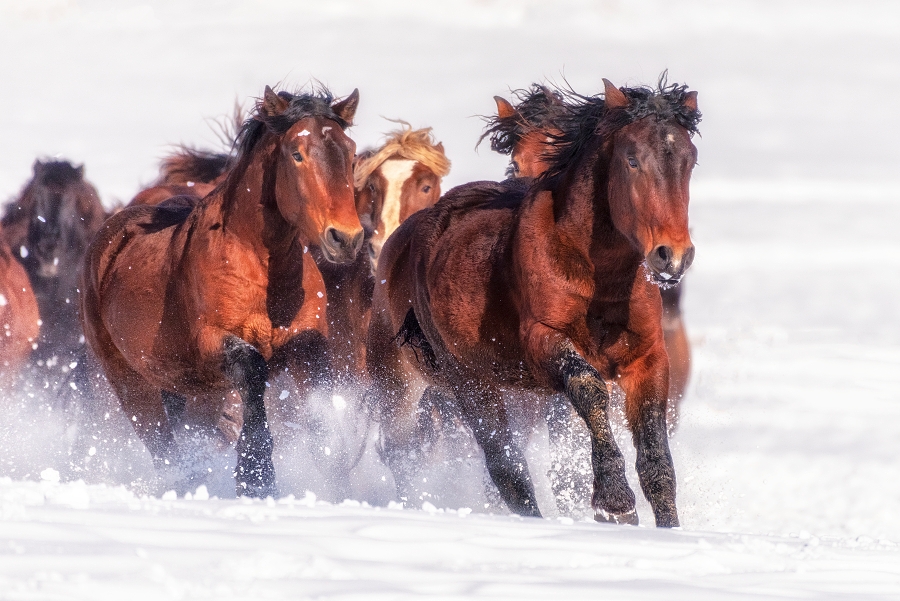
<point x="395" y="172"/>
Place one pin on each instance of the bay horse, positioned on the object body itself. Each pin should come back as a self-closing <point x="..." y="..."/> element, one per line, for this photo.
<point x="548" y="285"/>
<point x="526" y="133"/>
<point x="186" y="172"/>
<point x="391" y="182"/>
<point x="186" y="301"/>
<point x="19" y="317"/>
<point x="49" y="227"/>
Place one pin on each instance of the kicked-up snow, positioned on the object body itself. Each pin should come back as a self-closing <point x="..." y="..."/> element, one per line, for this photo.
<point x="787" y="449"/>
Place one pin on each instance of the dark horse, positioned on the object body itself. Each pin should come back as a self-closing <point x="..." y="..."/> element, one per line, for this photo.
<point x="549" y="284"/>
<point x="186" y="301"/>
<point x="49" y="228"/>
<point x="526" y="133"/>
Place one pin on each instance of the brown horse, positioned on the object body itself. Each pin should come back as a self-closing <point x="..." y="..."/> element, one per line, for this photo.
<point x="393" y="181"/>
<point x="19" y="316"/>
<point x="186" y="172"/>
<point x="526" y="132"/>
<point x="49" y="228"/>
<point x="548" y="285"/>
<point x="195" y="299"/>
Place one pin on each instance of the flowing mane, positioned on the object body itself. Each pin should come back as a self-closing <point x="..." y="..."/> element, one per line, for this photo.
<point x="587" y="116"/>
<point x="193" y="165"/>
<point x="538" y="107"/>
<point x="406" y="142"/>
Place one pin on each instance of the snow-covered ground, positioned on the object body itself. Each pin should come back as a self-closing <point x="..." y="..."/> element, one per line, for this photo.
<point x="788" y="448"/>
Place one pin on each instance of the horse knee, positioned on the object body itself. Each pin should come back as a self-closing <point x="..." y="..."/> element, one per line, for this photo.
<point x="244" y="365"/>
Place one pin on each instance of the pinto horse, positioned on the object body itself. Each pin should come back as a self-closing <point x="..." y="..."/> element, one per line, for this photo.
<point x="49" y="228"/>
<point x="187" y="301"/>
<point x="548" y="285"/>
<point x="526" y="132"/>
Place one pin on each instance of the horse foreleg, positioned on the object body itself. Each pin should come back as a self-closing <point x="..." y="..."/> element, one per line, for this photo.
<point x="391" y="401"/>
<point x="645" y="383"/>
<point x="485" y="413"/>
<point x="613" y="500"/>
<point x="248" y="372"/>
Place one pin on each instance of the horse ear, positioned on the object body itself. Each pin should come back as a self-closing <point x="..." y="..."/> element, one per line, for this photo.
<point x="440" y="148"/>
<point x="37" y="166"/>
<point x="615" y="99"/>
<point x="80" y="171"/>
<point x="346" y="108"/>
<point x="273" y="104"/>
<point x="504" y="109"/>
<point x="690" y="100"/>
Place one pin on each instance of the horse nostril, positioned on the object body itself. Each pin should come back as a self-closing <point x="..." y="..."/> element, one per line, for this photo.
<point x="661" y="257"/>
<point x="357" y="241"/>
<point x="688" y="258"/>
<point x="335" y="237"/>
<point x="665" y="253"/>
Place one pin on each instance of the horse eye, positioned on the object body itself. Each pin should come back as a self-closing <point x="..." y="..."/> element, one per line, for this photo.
<point x="632" y="162"/>
<point x="371" y="187"/>
<point x="297" y="157"/>
<point x="426" y="189"/>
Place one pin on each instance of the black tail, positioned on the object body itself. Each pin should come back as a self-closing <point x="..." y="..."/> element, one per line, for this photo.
<point x="411" y="334"/>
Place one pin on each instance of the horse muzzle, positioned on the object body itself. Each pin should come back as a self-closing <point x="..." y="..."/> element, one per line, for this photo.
<point x="341" y="247"/>
<point x="666" y="265"/>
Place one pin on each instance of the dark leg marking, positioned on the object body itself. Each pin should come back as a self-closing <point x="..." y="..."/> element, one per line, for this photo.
<point x="613" y="499"/>
<point x="654" y="464"/>
<point x="255" y="473"/>
<point x="174" y="404"/>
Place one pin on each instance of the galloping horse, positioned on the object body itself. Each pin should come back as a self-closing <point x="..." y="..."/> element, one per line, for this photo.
<point x="549" y="285"/>
<point x="186" y="172"/>
<point x="49" y="228"/>
<point x="188" y="301"/>
<point x="392" y="182"/>
<point x="19" y="316"/>
<point x="525" y="132"/>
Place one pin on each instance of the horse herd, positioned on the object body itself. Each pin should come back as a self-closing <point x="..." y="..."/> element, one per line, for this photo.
<point x="294" y="255"/>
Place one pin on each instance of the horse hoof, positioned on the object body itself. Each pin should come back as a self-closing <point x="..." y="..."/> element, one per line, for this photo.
<point x="629" y="517"/>
<point x="244" y="489"/>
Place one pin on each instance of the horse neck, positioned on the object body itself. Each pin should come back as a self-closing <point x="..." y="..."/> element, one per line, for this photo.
<point x="248" y="209"/>
<point x="582" y="212"/>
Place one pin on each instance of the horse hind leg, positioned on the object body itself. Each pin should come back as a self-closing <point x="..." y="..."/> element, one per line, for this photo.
<point x="485" y="412"/>
<point x="246" y="368"/>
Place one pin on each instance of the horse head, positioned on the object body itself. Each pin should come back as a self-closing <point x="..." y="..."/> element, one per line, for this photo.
<point x="526" y="131"/>
<point x="401" y="177"/>
<point x="313" y="175"/>
<point x="651" y="158"/>
<point x="61" y="215"/>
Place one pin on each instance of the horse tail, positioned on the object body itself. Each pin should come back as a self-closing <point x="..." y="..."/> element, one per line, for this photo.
<point x="411" y="334"/>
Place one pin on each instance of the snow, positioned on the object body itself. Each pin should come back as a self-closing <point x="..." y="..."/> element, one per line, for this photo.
<point x="87" y="542"/>
<point x="787" y="448"/>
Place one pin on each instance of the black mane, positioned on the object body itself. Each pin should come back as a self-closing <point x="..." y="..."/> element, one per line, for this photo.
<point x="315" y="103"/>
<point x="587" y="117"/>
<point x="538" y="107"/>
